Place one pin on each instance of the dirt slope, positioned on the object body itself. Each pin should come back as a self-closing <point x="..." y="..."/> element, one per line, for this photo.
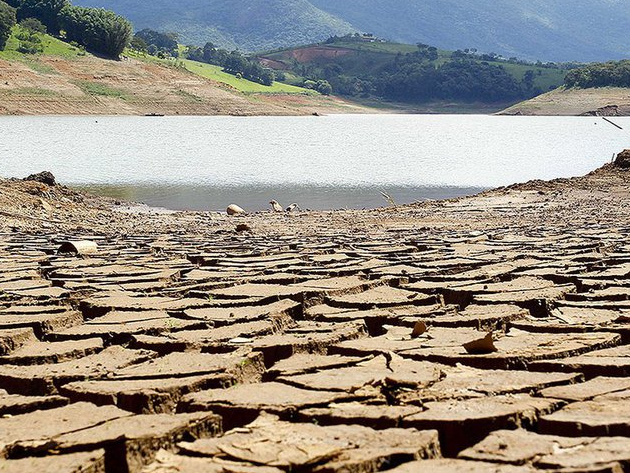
<point x="607" y="101"/>
<point x="93" y="86"/>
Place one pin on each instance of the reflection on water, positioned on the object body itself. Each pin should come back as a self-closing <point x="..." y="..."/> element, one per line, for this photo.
<point x="254" y="198"/>
<point x="319" y="162"/>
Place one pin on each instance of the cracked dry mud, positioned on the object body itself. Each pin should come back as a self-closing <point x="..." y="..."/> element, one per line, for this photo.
<point x="319" y="342"/>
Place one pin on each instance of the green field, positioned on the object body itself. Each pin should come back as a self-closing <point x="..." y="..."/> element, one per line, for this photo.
<point x="545" y="78"/>
<point x="216" y="73"/>
<point x="52" y="47"/>
<point x="385" y="48"/>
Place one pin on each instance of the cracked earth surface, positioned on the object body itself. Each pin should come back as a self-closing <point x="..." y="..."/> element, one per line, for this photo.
<point x="486" y="334"/>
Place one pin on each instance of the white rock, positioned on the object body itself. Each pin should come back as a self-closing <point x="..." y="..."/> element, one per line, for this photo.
<point x="234" y="209"/>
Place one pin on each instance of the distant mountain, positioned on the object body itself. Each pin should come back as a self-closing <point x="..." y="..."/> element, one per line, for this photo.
<point x="549" y="30"/>
<point x="251" y="25"/>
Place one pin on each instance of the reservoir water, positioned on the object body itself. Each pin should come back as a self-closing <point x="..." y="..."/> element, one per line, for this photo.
<point x="343" y="161"/>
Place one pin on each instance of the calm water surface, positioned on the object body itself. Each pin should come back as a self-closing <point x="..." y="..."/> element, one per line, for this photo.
<point x="319" y="162"/>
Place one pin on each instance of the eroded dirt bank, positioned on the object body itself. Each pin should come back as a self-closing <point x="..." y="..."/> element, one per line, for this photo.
<point x="92" y="86"/>
<point x="487" y="334"/>
<point x="604" y="101"/>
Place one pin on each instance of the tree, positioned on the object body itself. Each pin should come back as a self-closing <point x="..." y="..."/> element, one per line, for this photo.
<point x="99" y="30"/>
<point x="7" y="21"/>
<point x="33" y="25"/>
<point x="139" y="44"/>
<point x="46" y="11"/>
<point x="164" y="42"/>
<point x="324" y="87"/>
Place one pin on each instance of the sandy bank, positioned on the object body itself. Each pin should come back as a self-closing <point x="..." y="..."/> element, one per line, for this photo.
<point x="607" y="101"/>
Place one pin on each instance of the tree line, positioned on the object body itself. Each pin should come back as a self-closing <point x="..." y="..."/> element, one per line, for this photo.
<point x="608" y="74"/>
<point x="98" y="30"/>
<point x="7" y="22"/>
<point x="155" y="43"/>
<point x="232" y="62"/>
<point x="419" y="76"/>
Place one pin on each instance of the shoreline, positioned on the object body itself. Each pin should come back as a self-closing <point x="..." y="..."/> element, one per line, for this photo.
<point x="63" y="205"/>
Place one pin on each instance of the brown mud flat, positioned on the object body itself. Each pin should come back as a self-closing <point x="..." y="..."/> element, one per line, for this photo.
<point x="93" y="86"/>
<point x="320" y="341"/>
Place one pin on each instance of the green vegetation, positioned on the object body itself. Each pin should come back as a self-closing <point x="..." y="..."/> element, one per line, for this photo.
<point x="156" y="43"/>
<point x="363" y="66"/>
<point x="46" y="11"/>
<point x="7" y="21"/>
<point x="217" y="74"/>
<point x="99" y="30"/>
<point x="29" y="35"/>
<point x="32" y="91"/>
<point x="228" y="67"/>
<point x="232" y="62"/>
<point x="49" y="47"/>
<point x="101" y="90"/>
<point x="96" y="29"/>
<point x="608" y="74"/>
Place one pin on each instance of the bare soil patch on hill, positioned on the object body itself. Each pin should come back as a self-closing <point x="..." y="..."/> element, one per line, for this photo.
<point x="606" y="101"/>
<point x="93" y="86"/>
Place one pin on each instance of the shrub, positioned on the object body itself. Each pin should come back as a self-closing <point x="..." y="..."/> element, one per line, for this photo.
<point x="46" y="11"/>
<point x="7" y="21"/>
<point x="33" y="25"/>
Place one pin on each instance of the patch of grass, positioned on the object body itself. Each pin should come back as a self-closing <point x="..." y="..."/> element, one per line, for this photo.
<point x="545" y="78"/>
<point x="38" y="66"/>
<point x="388" y="48"/>
<point x="33" y="91"/>
<point x="216" y="73"/>
<point x="192" y="98"/>
<point x="51" y="47"/>
<point x="101" y="90"/>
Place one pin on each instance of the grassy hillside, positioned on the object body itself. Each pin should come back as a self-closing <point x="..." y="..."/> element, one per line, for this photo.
<point x="549" y="30"/>
<point x="346" y="63"/>
<point x="245" y="24"/>
<point x="51" y="47"/>
<point x="216" y="73"/>
<point x="67" y="80"/>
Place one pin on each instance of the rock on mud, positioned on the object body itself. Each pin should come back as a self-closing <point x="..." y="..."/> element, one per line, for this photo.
<point x="44" y="177"/>
<point x="234" y="209"/>
<point x="623" y="159"/>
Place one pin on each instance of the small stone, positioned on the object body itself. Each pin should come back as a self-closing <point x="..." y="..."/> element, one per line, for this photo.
<point x="234" y="209"/>
<point x="419" y="329"/>
<point x="483" y="346"/>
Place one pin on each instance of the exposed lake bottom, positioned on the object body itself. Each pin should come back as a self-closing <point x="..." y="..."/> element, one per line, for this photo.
<point x="253" y="198"/>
